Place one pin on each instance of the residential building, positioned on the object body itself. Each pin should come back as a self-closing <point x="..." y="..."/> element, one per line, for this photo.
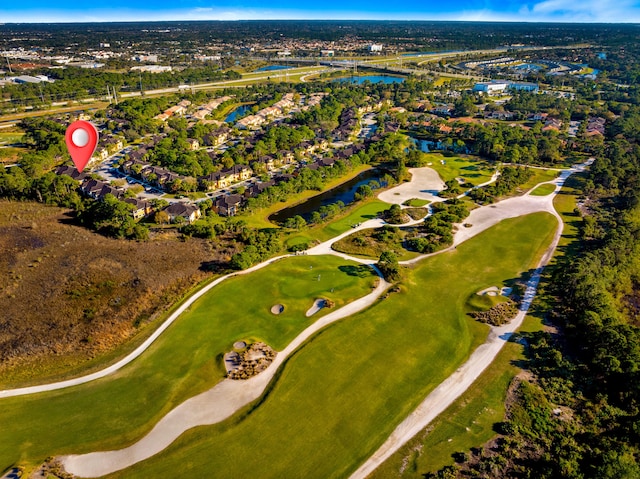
<point x="187" y="212"/>
<point x="72" y="172"/>
<point x="227" y="205"/>
<point x="141" y="207"/>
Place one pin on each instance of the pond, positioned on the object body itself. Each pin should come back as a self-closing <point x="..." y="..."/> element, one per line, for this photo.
<point x="344" y="192"/>
<point x="386" y="79"/>
<point x="528" y="67"/>
<point x="271" y="68"/>
<point x="237" y="113"/>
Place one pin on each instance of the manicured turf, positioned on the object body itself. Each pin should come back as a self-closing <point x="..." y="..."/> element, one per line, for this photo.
<point x="539" y="176"/>
<point x="467" y="423"/>
<point x="544" y="190"/>
<point x="361" y="214"/>
<point x="323" y="232"/>
<point x="416" y="202"/>
<point x="483" y="404"/>
<point x="9" y="137"/>
<point x="472" y="170"/>
<point x="185" y="360"/>
<point x="340" y="396"/>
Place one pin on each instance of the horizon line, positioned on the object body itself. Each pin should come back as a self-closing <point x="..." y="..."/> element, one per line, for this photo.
<point x="191" y="20"/>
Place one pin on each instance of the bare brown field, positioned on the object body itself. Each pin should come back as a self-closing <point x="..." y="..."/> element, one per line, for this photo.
<point x="69" y="295"/>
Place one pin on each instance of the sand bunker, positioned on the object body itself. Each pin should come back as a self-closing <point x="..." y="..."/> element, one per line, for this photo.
<point x="318" y="304"/>
<point x="490" y="291"/>
<point x="232" y="361"/>
<point x="277" y="308"/>
<point x="495" y="291"/>
<point x="239" y="345"/>
<point x="425" y="184"/>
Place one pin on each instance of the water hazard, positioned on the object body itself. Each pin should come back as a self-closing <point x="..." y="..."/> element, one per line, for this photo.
<point x="344" y="192"/>
<point x="237" y="113"/>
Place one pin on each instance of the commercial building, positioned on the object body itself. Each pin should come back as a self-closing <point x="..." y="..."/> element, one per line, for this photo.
<point x="500" y="86"/>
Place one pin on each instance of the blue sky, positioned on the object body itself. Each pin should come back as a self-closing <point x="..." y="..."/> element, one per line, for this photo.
<point x="481" y="10"/>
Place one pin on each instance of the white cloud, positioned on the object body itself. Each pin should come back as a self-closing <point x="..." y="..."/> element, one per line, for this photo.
<point x="585" y="10"/>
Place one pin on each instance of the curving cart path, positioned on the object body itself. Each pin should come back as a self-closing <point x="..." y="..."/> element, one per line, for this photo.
<point x="210" y="407"/>
<point x="229" y="396"/>
<point x="455" y="385"/>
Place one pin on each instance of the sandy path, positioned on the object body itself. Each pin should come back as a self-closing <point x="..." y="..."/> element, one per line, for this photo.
<point x="455" y="385"/>
<point x="210" y="407"/>
<point x="140" y="349"/>
<point x="227" y="397"/>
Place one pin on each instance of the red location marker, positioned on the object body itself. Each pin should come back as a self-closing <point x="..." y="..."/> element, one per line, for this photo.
<point x="82" y="140"/>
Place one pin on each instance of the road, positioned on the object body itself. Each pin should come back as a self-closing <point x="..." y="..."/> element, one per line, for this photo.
<point x="377" y="62"/>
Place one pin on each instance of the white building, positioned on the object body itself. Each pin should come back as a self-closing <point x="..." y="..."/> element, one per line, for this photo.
<point x="152" y="68"/>
<point x="492" y="87"/>
<point x="30" y="79"/>
<point x="145" y="58"/>
<point x="375" y="48"/>
<point x="500" y="86"/>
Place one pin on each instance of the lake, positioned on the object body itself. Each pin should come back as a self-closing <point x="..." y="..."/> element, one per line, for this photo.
<point x="528" y="66"/>
<point x="386" y="79"/>
<point x="237" y="113"/>
<point x="344" y="192"/>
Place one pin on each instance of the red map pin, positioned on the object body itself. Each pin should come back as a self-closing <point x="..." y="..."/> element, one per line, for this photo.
<point x="82" y="140"/>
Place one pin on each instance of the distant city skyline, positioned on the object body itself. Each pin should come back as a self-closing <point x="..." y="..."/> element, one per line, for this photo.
<point x="592" y="11"/>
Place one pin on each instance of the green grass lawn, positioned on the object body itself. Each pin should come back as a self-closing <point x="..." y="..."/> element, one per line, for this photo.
<point x="185" y="360"/>
<point x="10" y="137"/>
<point x="473" y="170"/>
<point x="539" y="176"/>
<point x="364" y="243"/>
<point x="565" y="204"/>
<point x="416" y="202"/>
<point x="469" y="421"/>
<point x="338" y="397"/>
<point x="354" y="215"/>
<point x="544" y="190"/>
<point x="360" y="214"/>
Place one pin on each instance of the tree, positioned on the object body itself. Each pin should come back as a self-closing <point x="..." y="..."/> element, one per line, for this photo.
<point x="161" y="217"/>
<point x="297" y="222"/>
<point x="388" y="266"/>
<point x="363" y="191"/>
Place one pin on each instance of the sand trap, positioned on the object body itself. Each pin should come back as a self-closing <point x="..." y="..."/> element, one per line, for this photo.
<point x="231" y="361"/>
<point x="318" y="304"/>
<point x="490" y="291"/>
<point x="239" y="345"/>
<point x="425" y="184"/>
<point x="277" y="308"/>
<point x="495" y="291"/>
